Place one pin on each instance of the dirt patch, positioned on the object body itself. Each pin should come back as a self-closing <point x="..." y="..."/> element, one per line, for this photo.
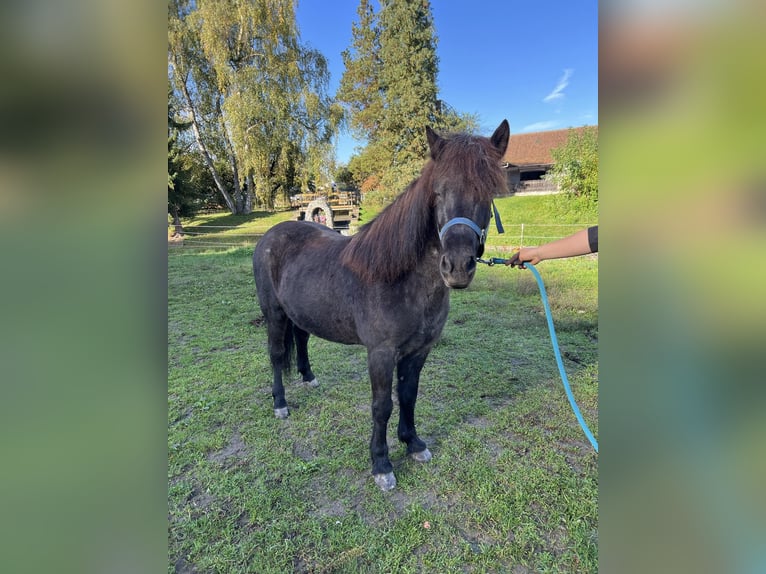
<point x="557" y="541"/>
<point x="575" y="453"/>
<point x="351" y="496"/>
<point x="183" y="416"/>
<point x="351" y="499"/>
<point x="478" y="421"/>
<point x="183" y="567"/>
<point x="200" y="499"/>
<point x="235" y="449"/>
<point x="305" y="448"/>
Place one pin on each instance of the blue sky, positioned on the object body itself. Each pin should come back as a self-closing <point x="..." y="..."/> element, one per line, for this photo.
<point x="532" y="62"/>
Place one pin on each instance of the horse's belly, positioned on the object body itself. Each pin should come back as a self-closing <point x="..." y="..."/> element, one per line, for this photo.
<point x="337" y="330"/>
<point x="322" y="308"/>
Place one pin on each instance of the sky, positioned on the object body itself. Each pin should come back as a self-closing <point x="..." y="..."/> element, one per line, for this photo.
<point x="532" y="62"/>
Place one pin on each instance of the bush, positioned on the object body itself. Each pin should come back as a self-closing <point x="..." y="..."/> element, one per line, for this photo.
<point x="575" y="168"/>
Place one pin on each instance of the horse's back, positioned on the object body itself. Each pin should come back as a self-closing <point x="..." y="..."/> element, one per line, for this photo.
<point x="298" y="271"/>
<point x="289" y="240"/>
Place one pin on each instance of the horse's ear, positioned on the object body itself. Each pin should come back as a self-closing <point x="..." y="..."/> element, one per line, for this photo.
<point x="499" y="139"/>
<point x="434" y="141"/>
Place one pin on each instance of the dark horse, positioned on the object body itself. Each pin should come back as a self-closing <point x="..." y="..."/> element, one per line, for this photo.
<point x="388" y="286"/>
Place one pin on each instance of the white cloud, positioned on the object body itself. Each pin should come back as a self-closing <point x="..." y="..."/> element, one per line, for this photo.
<point x="558" y="91"/>
<point x="540" y="126"/>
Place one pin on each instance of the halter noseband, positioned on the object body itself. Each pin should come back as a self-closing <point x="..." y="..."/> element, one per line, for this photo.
<point x="482" y="233"/>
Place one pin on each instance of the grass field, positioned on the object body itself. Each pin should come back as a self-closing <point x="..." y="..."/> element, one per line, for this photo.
<point x="513" y="483"/>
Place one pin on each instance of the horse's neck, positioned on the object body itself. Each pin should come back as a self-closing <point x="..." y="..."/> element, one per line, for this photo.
<point x="416" y="226"/>
<point x="428" y="266"/>
<point x="398" y="241"/>
<point x="420" y="243"/>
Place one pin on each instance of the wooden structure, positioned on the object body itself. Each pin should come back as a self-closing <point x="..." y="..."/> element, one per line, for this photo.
<point x="528" y="158"/>
<point x="335" y="209"/>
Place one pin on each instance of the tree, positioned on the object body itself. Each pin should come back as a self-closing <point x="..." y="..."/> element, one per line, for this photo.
<point x="360" y="87"/>
<point x="344" y="178"/>
<point x="175" y="189"/>
<point x="389" y="90"/>
<point x="361" y="92"/>
<point x="181" y="195"/>
<point x="255" y="97"/>
<point x="575" y="167"/>
<point x="452" y="121"/>
<point x="191" y="186"/>
<point x="408" y="78"/>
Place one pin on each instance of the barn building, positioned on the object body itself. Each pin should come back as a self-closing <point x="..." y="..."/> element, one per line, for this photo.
<point x="528" y="158"/>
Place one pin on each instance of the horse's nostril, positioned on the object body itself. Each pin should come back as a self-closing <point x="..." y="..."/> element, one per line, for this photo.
<point x="446" y="265"/>
<point x="471" y="265"/>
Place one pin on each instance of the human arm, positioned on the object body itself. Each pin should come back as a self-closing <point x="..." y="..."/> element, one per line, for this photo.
<point x="580" y="243"/>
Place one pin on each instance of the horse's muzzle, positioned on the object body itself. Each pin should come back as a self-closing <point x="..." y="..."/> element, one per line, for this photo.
<point x="457" y="271"/>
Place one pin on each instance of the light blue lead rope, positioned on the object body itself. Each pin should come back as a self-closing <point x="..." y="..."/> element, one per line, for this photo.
<point x="555" y="343"/>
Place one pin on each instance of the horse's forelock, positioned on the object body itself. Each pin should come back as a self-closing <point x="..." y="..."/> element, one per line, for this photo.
<point x="474" y="159"/>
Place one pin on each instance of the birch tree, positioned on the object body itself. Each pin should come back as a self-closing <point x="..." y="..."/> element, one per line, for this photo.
<point x="254" y="95"/>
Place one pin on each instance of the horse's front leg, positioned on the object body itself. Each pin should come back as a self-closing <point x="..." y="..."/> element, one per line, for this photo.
<point x="380" y="363"/>
<point x="280" y="336"/>
<point x="408" y="379"/>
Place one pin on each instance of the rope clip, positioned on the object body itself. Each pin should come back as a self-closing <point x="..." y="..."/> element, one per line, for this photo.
<point x="491" y="261"/>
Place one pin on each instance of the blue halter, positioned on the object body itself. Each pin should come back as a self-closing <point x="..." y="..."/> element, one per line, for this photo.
<point x="482" y="233"/>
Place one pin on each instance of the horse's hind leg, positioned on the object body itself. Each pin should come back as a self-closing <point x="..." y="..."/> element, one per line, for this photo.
<point x="302" y="348"/>
<point x="408" y="380"/>
<point x="280" y="333"/>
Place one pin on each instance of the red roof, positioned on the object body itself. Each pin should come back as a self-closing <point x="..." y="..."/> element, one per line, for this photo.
<point x="535" y="147"/>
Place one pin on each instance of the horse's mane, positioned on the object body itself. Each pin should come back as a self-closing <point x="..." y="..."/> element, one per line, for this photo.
<point x="393" y="243"/>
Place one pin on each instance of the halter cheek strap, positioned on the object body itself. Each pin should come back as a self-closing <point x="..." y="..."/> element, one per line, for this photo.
<point x="482" y="233"/>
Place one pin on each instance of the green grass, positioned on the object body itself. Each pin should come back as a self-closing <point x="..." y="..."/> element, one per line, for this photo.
<point x="223" y="229"/>
<point x="545" y="218"/>
<point x="544" y="209"/>
<point x="513" y="484"/>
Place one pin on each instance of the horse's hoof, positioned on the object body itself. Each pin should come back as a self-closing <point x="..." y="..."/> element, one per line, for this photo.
<point x="282" y="413"/>
<point x="386" y="481"/>
<point x="312" y="383"/>
<point x="422" y="456"/>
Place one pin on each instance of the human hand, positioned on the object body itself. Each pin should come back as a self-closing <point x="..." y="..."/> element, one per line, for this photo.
<point x="524" y="255"/>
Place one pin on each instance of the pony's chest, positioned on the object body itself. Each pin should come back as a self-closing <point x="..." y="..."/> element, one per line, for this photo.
<point x="421" y="312"/>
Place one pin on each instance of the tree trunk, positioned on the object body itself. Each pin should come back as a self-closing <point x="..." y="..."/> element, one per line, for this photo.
<point x="205" y="154"/>
<point x="249" y="192"/>
<point x="177" y="222"/>
<point x="239" y="201"/>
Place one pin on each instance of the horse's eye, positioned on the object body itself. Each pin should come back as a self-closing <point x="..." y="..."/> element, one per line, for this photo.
<point x="441" y="188"/>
